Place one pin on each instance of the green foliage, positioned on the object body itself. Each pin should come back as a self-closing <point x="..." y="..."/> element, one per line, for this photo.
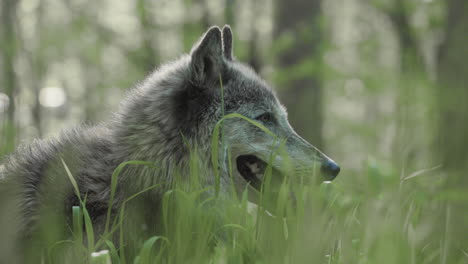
<point x="382" y="218"/>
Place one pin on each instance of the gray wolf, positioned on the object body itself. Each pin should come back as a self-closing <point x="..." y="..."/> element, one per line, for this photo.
<point x="176" y="107"/>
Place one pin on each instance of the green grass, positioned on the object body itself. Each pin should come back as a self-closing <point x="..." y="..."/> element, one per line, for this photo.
<point x="369" y="216"/>
<point x="383" y="220"/>
<point x="375" y="216"/>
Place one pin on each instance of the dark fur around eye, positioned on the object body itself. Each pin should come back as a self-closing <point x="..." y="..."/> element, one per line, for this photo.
<point x="265" y="118"/>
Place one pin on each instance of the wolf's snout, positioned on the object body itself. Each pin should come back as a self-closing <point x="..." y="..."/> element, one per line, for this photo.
<point x="330" y="169"/>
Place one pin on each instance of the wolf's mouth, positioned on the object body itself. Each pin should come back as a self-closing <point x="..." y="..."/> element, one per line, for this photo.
<point x="252" y="169"/>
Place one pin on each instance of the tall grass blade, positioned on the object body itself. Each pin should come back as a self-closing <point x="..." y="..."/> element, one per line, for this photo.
<point x="89" y="229"/>
<point x="114" y="182"/>
<point x="77" y="216"/>
<point x="145" y="253"/>
<point x="113" y="252"/>
<point x="72" y="180"/>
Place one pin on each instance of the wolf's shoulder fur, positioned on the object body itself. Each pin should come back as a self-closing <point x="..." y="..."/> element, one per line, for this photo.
<point x="30" y="160"/>
<point x="37" y="168"/>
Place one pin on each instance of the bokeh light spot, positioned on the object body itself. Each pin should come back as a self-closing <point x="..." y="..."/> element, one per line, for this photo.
<point x="52" y="97"/>
<point x="4" y="102"/>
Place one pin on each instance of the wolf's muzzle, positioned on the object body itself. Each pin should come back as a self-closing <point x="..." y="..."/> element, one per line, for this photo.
<point x="330" y="169"/>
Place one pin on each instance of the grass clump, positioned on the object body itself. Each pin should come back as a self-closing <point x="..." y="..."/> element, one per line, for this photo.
<point x="384" y="220"/>
<point x="371" y="216"/>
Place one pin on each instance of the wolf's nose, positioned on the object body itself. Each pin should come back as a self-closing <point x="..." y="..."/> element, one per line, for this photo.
<point x="330" y="169"/>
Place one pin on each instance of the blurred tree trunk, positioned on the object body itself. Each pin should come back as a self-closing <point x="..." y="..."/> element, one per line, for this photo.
<point x="8" y="47"/>
<point x="453" y="87"/>
<point x="412" y="71"/>
<point x="410" y="55"/>
<point x="38" y="68"/>
<point x="254" y="54"/>
<point x="229" y="12"/>
<point x="149" y="57"/>
<point x="205" y="21"/>
<point x="452" y="145"/>
<point x="191" y="28"/>
<point x="300" y="61"/>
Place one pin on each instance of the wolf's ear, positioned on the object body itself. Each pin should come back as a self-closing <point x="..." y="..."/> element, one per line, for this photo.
<point x="227" y="42"/>
<point x="207" y="57"/>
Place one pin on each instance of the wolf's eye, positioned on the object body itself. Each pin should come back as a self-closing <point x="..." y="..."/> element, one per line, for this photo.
<point x="265" y="118"/>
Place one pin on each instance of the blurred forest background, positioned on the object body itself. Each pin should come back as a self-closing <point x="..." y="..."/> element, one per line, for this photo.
<point x="376" y="84"/>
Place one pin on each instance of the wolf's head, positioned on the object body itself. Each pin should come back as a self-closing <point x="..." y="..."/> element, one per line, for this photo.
<point x="183" y="101"/>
